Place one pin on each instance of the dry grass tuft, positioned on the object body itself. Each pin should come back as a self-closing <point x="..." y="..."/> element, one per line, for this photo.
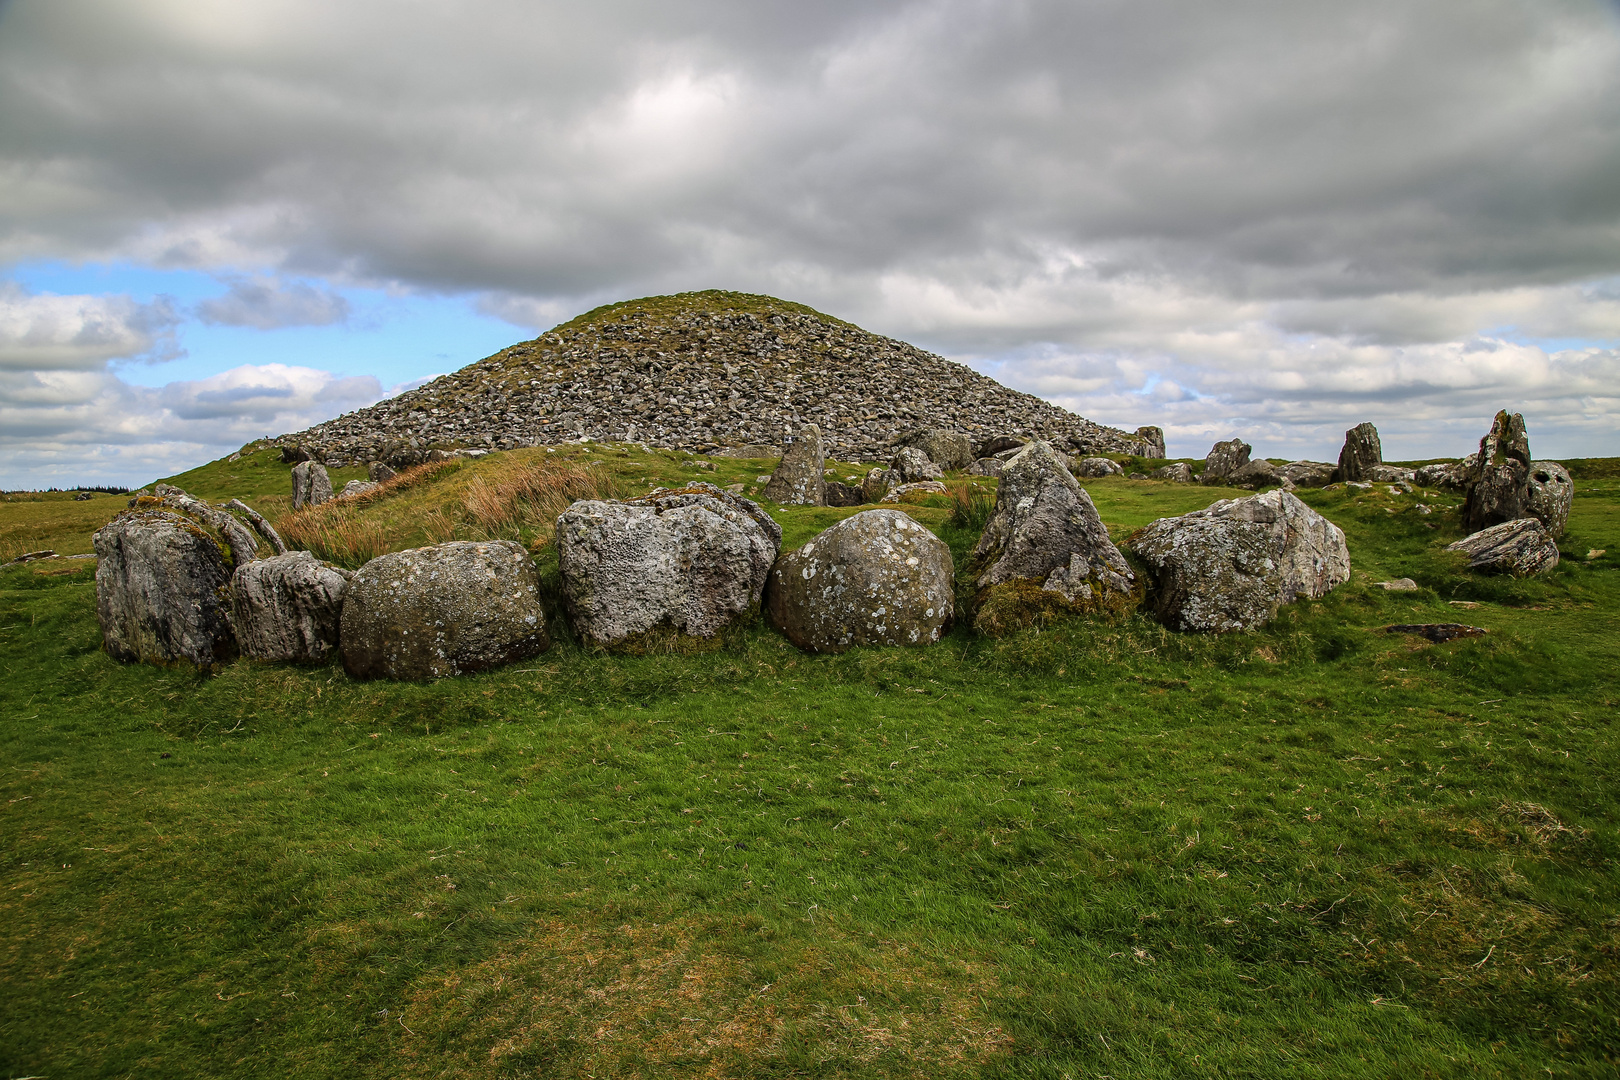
<point x="339" y="532"/>
<point x="526" y="495"/>
<point x="650" y="1000"/>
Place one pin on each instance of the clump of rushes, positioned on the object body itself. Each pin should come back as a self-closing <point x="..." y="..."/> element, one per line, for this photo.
<point x="522" y="499"/>
<point x="971" y="507"/>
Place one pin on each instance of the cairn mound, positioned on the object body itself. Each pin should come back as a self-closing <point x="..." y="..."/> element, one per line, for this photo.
<point x="703" y="371"/>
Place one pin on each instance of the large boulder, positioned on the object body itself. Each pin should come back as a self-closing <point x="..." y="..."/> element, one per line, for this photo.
<point x="310" y="484"/>
<point x="947" y="449"/>
<point x="1258" y="473"/>
<point x="1548" y="494"/>
<point x="1230" y="565"/>
<point x="445" y="610"/>
<point x="1093" y="468"/>
<point x="1497" y="484"/>
<point x="1152" y="441"/>
<point x="875" y="578"/>
<point x="1177" y="472"/>
<point x="1045" y="550"/>
<point x="800" y="479"/>
<point x="1521" y="548"/>
<point x="162" y="590"/>
<point x="1452" y="475"/>
<point x="1307" y="473"/>
<point x="1224" y="459"/>
<point x="911" y="465"/>
<point x="690" y="561"/>
<point x="1362" y="452"/>
<point x="288" y="607"/>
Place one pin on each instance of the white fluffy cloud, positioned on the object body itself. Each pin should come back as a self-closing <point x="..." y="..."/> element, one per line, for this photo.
<point x="1257" y="217"/>
<point x="76" y="333"/>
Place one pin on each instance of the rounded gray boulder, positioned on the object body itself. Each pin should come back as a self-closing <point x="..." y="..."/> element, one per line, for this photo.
<point x="444" y="610"/>
<point x="288" y="607"/>
<point x="875" y="578"/>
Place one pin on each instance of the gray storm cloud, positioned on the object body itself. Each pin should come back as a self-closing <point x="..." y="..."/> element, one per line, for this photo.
<point x="1293" y="214"/>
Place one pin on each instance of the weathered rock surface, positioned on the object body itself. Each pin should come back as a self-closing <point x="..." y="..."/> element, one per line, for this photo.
<point x="1256" y="474"/>
<point x="692" y="561"/>
<point x="1307" y="473"/>
<point x="445" y="610"/>
<point x="1096" y="467"/>
<point x="1224" y="459"/>
<point x="986" y="466"/>
<point x="1152" y="440"/>
<point x="1498" y="483"/>
<point x="1045" y="543"/>
<point x="921" y="487"/>
<point x="1178" y="472"/>
<point x="1548" y="494"/>
<point x="162" y="591"/>
<point x="842" y="494"/>
<point x="875" y="485"/>
<point x="377" y="472"/>
<point x="1229" y="566"/>
<point x="1362" y="452"/>
<point x="310" y="484"/>
<point x="911" y="465"/>
<point x="875" y="578"/>
<point x="1391" y="474"/>
<point x="288" y="607"/>
<point x="945" y="448"/>
<point x="1452" y="475"/>
<point x="998" y="444"/>
<point x="704" y="371"/>
<point x="1522" y="547"/>
<point x="357" y="487"/>
<point x="800" y="479"/>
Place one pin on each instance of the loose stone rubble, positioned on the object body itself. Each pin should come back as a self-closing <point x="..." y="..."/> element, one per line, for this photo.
<point x="704" y="372"/>
<point x="875" y="578"/>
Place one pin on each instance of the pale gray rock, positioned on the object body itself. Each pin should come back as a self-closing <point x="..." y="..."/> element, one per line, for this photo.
<point x="1404" y="584"/>
<point x="1230" y="565"/>
<point x="875" y="578"/>
<point x="445" y="610"/>
<point x="1045" y="532"/>
<point x="287" y="607"/>
<point x="693" y="561"/>
<point x="243" y="545"/>
<point x="161" y="591"/>
<point x="357" y="487"/>
<point x="310" y="485"/>
<point x="921" y="487"/>
<point x="1224" y="459"/>
<point x="1521" y="548"/>
<point x="1178" y="472"/>
<point x="1152" y="440"/>
<point x="1391" y="474"/>
<point x="945" y="448"/>
<point x="799" y="480"/>
<point x="910" y="465"/>
<point x="753" y="451"/>
<point x="1361" y="454"/>
<point x="377" y="472"/>
<point x="1548" y="494"/>
<point x="1093" y="468"/>
<point x="986" y="466"/>
<point x="261" y="526"/>
<point x="1497" y="484"/>
<point x="1307" y="473"/>
<point x="1451" y="475"/>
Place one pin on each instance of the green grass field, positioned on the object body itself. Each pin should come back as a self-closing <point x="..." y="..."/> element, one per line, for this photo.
<point x="1098" y="850"/>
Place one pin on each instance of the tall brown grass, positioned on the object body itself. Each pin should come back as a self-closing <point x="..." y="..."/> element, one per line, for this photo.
<point x="523" y="499"/>
<point x="339" y="531"/>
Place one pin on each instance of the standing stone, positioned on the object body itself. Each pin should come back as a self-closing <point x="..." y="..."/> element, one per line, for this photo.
<point x="1045" y="550"/>
<point x="911" y="465"/>
<point x="1224" y="459"/>
<point x="876" y="578"/>
<point x="947" y="449"/>
<point x="1548" y="495"/>
<point x="1177" y="473"/>
<point x="1497" y="485"/>
<point x="1153" y="441"/>
<point x="377" y="472"/>
<point x="287" y="607"/>
<point x="692" y="561"/>
<point x="1521" y="548"/>
<point x="799" y="480"/>
<point x="161" y="588"/>
<point x="1362" y="453"/>
<point x="310" y="485"/>
<point x="1256" y="474"/>
<point x="1229" y="566"/>
<point x="445" y="610"/>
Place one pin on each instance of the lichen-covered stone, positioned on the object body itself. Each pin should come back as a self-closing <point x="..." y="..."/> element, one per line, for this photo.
<point x="1046" y="531"/>
<point x="919" y="490"/>
<point x="986" y="466"/>
<point x="910" y="465"/>
<point x="1094" y="468"/>
<point x="1230" y="565"/>
<point x="1362" y="452"/>
<point x="875" y="578"/>
<point x="1178" y="472"/>
<point x="445" y="610"/>
<point x="945" y="448"/>
<point x="1497" y="484"/>
<point x="875" y="485"/>
<point x="1152" y="438"/>
<point x="357" y="487"/>
<point x="311" y="486"/>
<point x="1548" y="494"/>
<point x="998" y="444"/>
<point x="162" y="591"/>
<point x="799" y="480"/>
<point x="1255" y="474"/>
<point x="288" y="607"/>
<point x="1224" y="459"/>
<point x="1520" y="548"/>
<point x="1307" y="473"/>
<point x="1452" y="475"/>
<point x="691" y="561"/>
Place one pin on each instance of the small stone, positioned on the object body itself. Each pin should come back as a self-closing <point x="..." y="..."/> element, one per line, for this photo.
<point x="920" y="488"/>
<point x="1404" y="584"/>
<point x="911" y="465"/>
<point x="1438" y="633"/>
<point x="945" y="448"/>
<point x="1095" y="467"/>
<point x="357" y="487"/>
<point x="1178" y="472"/>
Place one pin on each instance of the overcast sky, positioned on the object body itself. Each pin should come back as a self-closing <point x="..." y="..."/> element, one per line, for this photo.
<point x="220" y="220"/>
